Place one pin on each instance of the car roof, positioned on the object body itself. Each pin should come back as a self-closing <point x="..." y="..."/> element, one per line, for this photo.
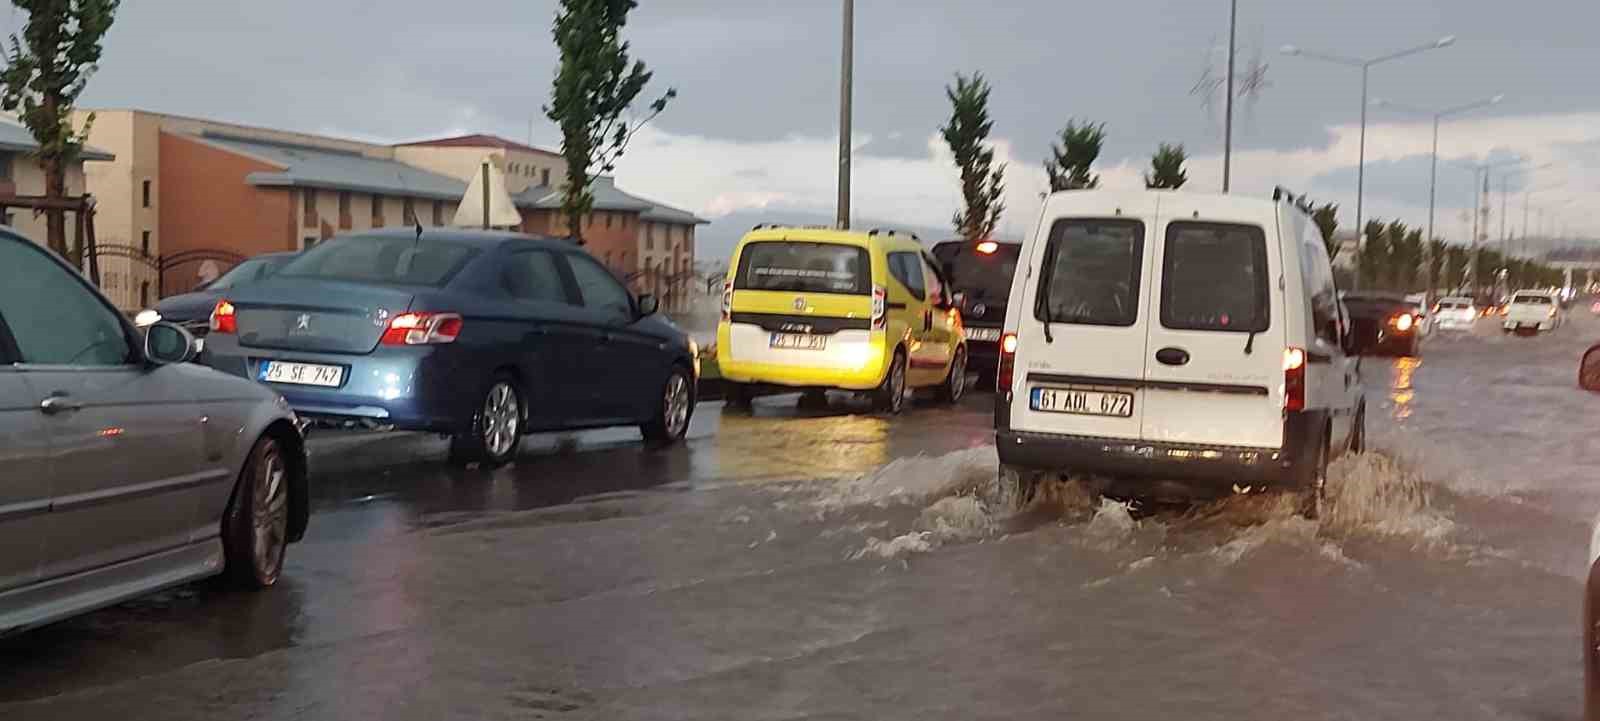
<point x="825" y="234"/>
<point x="481" y="239"/>
<point x="963" y="241"/>
<point x="1201" y="206"/>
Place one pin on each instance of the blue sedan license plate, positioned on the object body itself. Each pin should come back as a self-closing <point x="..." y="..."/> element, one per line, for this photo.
<point x="304" y="374"/>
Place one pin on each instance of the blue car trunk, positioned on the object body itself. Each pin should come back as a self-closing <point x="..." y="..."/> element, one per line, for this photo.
<point x="317" y="315"/>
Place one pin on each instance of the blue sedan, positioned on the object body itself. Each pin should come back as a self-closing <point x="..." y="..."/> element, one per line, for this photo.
<point x="483" y="336"/>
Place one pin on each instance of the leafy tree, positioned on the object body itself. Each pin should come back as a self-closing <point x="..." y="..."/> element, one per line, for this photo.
<point x="1489" y="263"/>
<point x="593" y="87"/>
<point x="1436" y="264"/>
<point x="1455" y="267"/>
<point x="1405" y="257"/>
<point x="45" y="72"/>
<point x="967" y="134"/>
<point x="1326" y="216"/>
<point x="1166" y="168"/>
<point x="1374" y="254"/>
<point x="1071" y="159"/>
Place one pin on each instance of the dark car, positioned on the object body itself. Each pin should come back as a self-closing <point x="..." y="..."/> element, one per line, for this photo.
<point x="483" y="336"/>
<point x="1384" y="323"/>
<point x="192" y="310"/>
<point x="980" y="272"/>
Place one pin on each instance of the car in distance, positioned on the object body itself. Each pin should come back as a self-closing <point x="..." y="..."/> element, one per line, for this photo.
<point x="1384" y="322"/>
<point x="192" y="310"/>
<point x="1220" y="353"/>
<point x="126" y="469"/>
<point x="813" y="308"/>
<point x="1532" y="311"/>
<point x="482" y="336"/>
<point x="980" y="271"/>
<point x="1455" y="312"/>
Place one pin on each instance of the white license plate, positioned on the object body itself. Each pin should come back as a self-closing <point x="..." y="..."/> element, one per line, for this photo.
<point x="983" y="334"/>
<point x="798" y="341"/>
<point x="1081" y="401"/>
<point x="305" y="374"/>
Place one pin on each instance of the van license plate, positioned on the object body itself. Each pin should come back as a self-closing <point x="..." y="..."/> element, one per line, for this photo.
<point x="1081" y="402"/>
<point x="305" y="374"/>
<point x="798" y="341"/>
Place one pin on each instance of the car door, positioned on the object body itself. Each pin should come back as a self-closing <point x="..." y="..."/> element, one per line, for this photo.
<point x="555" y="339"/>
<point x="126" y="462"/>
<point x="24" y="482"/>
<point x="910" y="301"/>
<point x="623" y="366"/>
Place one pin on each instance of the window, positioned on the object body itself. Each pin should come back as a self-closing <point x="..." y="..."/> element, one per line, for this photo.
<point x="1091" y="273"/>
<point x="600" y="290"/>
<point x="807" y="267"/>
<point x="544" y="177"/>
<point x="310" y="197"/>
<point x="377" y="211"/>
<point x="307" y="242"/>
<point x="907" y="269"/>
<point x="144" y="242"/>
<point x="608" y="219"/>
<point x="532" y="275"/>
<point x="74" y="328"/>
<point x="438" y="213"/>
<point x="1214" y="277"/>
<point x="383" y="260"/>
<point x="344" y="209"/>
<point x="144" y="294"/>
<point x="1317" y="275"/>
<point x="936" y="289"/>
<point x="5" y="166"/>
<point x="408" y="212"/>
<point x="1532" y="300"/>
<point x="983" y="277"/>
<point x="650" y="236"/>
<point x="145" y="189"/>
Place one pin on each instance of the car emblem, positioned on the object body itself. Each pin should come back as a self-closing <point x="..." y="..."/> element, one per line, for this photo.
<point x="978" y="310"/>
<point x="303" y="322"/>
<point x="799" y="303"/>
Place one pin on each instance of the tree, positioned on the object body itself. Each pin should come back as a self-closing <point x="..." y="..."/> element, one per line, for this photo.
<point x="967" y="134"/>
<point x="1071" y="159"/>
<point x="1166" y="168"/>
<point x="1405" y="257"/>
<point x="1436" y="264"/>
<point x="1374" y="254"/>
<point x="45" y="72"/>
<point x="1455" y="267"/>
<point x="593" y="87"/>
<point x="1326" y="216"/>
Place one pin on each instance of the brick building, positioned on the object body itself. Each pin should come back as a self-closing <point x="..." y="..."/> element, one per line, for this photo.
<point x="173" y="185"/>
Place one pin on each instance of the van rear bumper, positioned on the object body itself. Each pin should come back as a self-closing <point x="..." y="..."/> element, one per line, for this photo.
<point x="1123" y="458"/>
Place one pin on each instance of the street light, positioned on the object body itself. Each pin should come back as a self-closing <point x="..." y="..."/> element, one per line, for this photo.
<point x="1433" y="168"/>
<point x="1365" y="64"/>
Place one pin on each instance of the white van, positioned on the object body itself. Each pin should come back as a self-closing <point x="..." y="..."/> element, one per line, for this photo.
<point x="1158" y="336"/>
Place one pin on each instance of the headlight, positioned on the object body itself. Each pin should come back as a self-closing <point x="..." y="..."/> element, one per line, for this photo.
<point x="1403" y="322"/>
<point x="146" y="317"/>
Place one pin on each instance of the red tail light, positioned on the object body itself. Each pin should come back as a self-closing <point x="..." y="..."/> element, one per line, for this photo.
<point x="727" y="300"/>
<point x="223" y="318"/>
<point x="880" y="307"/>
<point x="1008" y="362"/>
<point x="1294" y="379"/>
<point x="422" y="329"/>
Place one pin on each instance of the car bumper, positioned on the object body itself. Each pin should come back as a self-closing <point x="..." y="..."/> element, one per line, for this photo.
<point x="863" y="371"/>
<point x="1127" y="459"/>
<point x="411" y="388"/>
<point x="1543" y="324"/>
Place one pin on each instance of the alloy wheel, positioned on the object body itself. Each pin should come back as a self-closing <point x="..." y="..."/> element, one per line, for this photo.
<point x="500" y="414"/>
<point x="269" y="509"/>
<point x="675" y="405"/>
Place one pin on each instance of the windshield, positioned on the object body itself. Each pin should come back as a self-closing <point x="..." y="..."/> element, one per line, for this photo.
<point x="250" y="270"/>
<point x="982" y="276"/>
<point x="1533" y="300"/>
<point x="383" y="259"/>
<point x="807" y="267"/>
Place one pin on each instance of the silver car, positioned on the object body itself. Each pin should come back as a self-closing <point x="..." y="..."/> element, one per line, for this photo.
<point x="124" y="469"/>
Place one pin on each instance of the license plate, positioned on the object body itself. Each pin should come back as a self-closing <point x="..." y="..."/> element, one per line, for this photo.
<point x="798" y="341"/>
<point x="983" y="334"/>
<point x="305" y="374"/>
<point x="1081" y="401"/>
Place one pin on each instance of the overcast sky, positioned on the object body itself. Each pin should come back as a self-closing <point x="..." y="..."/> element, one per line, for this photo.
<point x="755" y="122"/>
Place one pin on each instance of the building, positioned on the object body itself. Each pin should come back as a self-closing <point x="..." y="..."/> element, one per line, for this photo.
<point x="192" y="196"/>
<point x="21" y="174"/>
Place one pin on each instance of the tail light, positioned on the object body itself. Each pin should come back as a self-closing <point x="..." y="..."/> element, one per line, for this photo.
<point x="1008" y="362"/>
<point x="880" y="307"/>
<point x="727" y="300"/>
<point x="988" y="247"/>
<point x="1505" y="309"/>
<point x="1294" y="379"/>
<point x="422" y="329"/>
<point x="223" y="318"/>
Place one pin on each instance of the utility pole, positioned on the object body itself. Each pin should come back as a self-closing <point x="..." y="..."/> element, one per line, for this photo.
<point x="1227" y="123"/>
<point x="846" y="79"/>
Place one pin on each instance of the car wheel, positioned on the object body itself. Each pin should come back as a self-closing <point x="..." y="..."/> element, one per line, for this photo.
<point x="495" y="431"/>
<point x="671" y="418"/>
<point x="955" y="383"/>
<point x="1358" y="434"/>
<point x="255" y="529"/>
<point x="891" y="395"/>
<point x="1018" y="486"/>
<point x="1313" y="483"/>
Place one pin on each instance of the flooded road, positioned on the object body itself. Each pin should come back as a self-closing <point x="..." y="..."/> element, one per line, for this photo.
<point x="831" y="564"/>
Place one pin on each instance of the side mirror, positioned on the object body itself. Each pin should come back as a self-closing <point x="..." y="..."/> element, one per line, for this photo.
<point x="960" y="299"/>
<point x="648" y="305"/>
<point x="166" y="343"/>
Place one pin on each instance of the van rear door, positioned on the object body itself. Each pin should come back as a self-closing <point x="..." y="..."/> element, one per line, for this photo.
<point x="800" y="302"/>
<point x="1079" y="319"/>
<point x="1214" y="366"/>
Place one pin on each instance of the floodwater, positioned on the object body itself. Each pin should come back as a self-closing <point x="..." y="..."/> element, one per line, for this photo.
<point x="830" y="564"/>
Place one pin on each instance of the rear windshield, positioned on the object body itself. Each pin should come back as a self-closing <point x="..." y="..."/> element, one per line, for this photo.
<point x="250" y="270"/>
<point x="1214" y="277"/>
<point x="982" y="276"/>
<point x="1532" y="299"/>
<point x="805" y="267"/>
<point x="401" y="261"/>
<point x="1091" y="273"/>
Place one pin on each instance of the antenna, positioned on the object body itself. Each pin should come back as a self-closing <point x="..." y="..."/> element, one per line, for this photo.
<point x="418" y="239"/>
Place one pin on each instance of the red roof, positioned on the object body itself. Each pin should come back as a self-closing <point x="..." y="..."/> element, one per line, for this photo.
<point x="481" y="141"/>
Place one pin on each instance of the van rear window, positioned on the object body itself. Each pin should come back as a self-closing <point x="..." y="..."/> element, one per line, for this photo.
<point x="1214" y="277"/>
<point x="804" y="267"/>
<point x="1091" y="273"/>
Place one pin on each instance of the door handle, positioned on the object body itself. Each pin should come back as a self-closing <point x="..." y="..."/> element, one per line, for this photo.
<point x="1172" y="356"/>
<point x="927" y="320"/>
<point x="58" y="403"/>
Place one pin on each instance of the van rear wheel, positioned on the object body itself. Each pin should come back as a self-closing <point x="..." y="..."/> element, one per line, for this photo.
<point x="1312" y="483"/>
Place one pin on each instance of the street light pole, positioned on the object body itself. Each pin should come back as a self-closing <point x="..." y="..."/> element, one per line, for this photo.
<point x="846" y="80"/>
<point x="1227" y="133"/>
